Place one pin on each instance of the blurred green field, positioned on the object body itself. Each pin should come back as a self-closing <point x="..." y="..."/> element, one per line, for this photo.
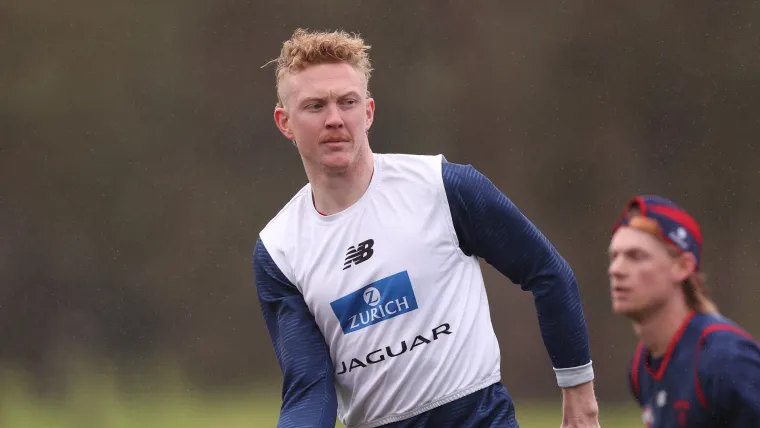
<point x="96" y="403"/>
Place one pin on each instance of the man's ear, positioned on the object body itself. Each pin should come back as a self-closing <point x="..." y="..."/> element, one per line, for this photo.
<point x="370" y="112"/>
<point x="283" y="122"/>
<point x="686" y="266"/>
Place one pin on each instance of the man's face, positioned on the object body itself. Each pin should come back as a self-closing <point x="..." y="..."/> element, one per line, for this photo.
<point x="643" y="273"/>
<point x="327" y="112"/>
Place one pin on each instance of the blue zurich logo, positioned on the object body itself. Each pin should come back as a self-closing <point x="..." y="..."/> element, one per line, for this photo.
<point x="382" y="300"/>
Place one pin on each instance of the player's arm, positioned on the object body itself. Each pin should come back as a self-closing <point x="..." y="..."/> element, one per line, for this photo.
<point x="308" y="392"/>
<point x="729" y="376"/>
<point x="490" y="226"/>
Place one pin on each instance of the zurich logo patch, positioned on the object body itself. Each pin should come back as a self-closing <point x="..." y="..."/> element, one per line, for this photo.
<point x="376" y="302"/>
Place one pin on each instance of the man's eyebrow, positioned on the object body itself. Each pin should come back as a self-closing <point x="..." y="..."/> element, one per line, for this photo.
<point x="311" y="100"/>
<point x="321" y="99"/>
<point x="351" y="93"/>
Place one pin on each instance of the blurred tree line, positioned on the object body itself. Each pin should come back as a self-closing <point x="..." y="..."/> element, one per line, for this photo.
<point x="139" y="160"/>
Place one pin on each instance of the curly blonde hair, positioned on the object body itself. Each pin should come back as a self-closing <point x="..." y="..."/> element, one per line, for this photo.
<point x="306" y="48"/>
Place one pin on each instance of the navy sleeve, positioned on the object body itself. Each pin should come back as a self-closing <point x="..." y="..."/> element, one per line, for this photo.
<point x="308" y="392"/>
<point x="729" y="372"/>
<point x="491" y="227"/>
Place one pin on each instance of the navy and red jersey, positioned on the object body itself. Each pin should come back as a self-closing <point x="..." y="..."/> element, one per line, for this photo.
<point x="708" y="377"/>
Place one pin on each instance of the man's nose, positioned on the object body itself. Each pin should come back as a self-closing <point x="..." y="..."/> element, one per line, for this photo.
<point x="334" y="119"/>
<point x="615" y="267"/>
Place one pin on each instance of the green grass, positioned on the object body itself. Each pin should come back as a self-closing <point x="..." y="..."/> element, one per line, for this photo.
<point x="95" y="402"/>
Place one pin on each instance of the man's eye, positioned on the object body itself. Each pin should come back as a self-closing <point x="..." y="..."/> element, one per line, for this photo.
<point x="315" y="106"/>
<point x="638" y="255"/>
<point x="349" y="102"/>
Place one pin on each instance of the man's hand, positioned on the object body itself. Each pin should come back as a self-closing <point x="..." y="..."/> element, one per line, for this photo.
<point x="579" y="407"/>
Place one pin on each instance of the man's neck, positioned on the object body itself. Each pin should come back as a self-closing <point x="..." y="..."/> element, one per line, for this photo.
<point x="334" y="193"/>
<point x="657" y="329"/>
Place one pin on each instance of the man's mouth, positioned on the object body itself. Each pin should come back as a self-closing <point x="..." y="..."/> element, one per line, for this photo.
<point x="335" y="140"/>
<point x="620" y="291"/>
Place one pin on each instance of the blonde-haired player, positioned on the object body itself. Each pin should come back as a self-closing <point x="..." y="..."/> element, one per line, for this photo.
<point x="369" y="280"/>
<point x="693" y="367"/>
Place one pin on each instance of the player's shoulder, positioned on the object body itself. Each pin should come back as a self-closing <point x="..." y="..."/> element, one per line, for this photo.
<point x="722" y="341"/>
<point x="410" y="158"/>
<point x="286" y="220"/>
<point x="718" y="328"/>
<point x="277" y="238"/>
<point x="428" y="169"/>
<point x="410" y="167"/>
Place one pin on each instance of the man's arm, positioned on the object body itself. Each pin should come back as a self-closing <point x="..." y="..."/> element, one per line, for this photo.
<point x="729" y="372"/>
<point x="490" y="226"/>
<point x="308" y="392"/>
